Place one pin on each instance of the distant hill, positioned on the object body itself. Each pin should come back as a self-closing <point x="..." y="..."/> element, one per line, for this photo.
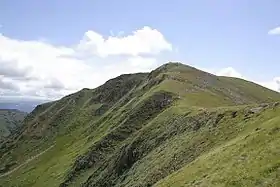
<point x="173" y="126"/>
<point x="10" y="120"/>
<point x="22" y="105"/>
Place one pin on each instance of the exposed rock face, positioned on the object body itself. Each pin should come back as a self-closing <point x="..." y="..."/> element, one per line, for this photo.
<point x="276" y="104"/>
<point x="256" y="110"/>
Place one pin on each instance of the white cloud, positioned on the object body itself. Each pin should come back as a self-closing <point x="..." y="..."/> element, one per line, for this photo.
<point x="39" y="69"/>
<point x="7" y="85"/>
<point x="229" y="72"/>
<point x="274" y="31"/>
<point x="142" y="62"/>
<point x="273" y="84"/>
<point x="143" y="41"/>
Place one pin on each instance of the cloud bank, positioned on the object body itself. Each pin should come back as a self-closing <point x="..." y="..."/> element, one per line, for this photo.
<point x="275" y="31"/>
<point x="37" y="69"/>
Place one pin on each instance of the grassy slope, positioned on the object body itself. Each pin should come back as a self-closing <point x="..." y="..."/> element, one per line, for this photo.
<point x="9" y="121"/>
<point x="250" y="158"/>
<point x="62" y="124"/>
<point x="130" y="139"/>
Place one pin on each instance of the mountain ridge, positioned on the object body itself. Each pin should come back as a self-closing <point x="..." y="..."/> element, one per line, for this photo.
<point x="138" y="129"/>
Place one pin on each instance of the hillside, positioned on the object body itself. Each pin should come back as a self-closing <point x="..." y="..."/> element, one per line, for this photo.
<point x="10" y="121"/>
<point x="174" y="126"/>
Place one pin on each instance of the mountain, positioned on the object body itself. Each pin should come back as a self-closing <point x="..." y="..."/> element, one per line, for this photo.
<point x="10" y="121"/>
<point x="22" y="105"/>
<point x="174" y="126"/>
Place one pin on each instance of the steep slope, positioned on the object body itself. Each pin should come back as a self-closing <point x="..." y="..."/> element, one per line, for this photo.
<point x="137" y="129"/>
<point x="249" y="158"/>
<point x="10" y="121"/>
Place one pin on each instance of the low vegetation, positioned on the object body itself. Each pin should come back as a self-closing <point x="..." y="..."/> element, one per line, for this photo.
<point x="10" y="121"/>
<point x="175" y="126"/>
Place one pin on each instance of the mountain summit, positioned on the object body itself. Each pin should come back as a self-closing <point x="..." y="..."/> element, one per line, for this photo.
<point x="174" y="126"/>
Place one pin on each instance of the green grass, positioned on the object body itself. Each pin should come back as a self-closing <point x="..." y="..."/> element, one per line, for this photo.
<point x="10" y="120"/>
<point x="249" y="159"/>
<point x="176" y="126"/>
<point x="54" y="164"/>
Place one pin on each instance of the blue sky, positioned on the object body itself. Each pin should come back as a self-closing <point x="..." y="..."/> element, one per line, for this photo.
<point x="212" y="35"/>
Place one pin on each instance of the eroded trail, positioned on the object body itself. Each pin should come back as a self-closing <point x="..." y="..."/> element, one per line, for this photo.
<point x="26" y="162"/>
